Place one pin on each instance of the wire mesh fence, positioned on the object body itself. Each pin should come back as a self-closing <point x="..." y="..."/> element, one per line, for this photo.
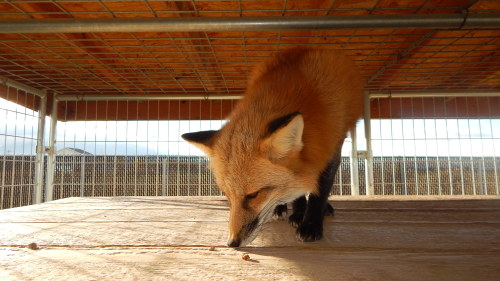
<point x="18" y="139"/>
<point x="81" y="175"/>
<point x="120" y="151"/>
<point x="455" y="152"/>
<point x="446" y="155"/>
<point x="139" y="157"/>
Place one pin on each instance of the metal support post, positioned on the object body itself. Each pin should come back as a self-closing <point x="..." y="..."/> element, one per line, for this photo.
<point x="82" y="175"/>
<point x="40" y="151"/>
<point x="354" y="163"/>
<point x="369" y="154"/>
<point x="51" y="153"/>
<point x="164" y="171"/>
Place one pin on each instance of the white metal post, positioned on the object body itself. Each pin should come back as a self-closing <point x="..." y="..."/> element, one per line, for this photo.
<point x="354" y="163"/>
<point x="51" y="153"/>
<point x="164" y="171"/>
<point x="369" y="154"/>
<point x="82" y="175"/>
<point x="40" y="151"/>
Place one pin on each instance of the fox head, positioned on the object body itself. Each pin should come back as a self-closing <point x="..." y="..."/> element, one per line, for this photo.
<point x="256" y="168"/>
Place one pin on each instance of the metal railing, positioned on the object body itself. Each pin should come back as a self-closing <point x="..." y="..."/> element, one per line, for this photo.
<point x="269" y="23"/>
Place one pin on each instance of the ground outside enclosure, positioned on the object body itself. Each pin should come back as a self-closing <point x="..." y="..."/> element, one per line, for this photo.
<point x="173" y="238"/>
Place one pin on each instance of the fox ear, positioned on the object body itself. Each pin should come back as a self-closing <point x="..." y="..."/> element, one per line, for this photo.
<point x="202" y="140"/>
<point x="285" y="136"/>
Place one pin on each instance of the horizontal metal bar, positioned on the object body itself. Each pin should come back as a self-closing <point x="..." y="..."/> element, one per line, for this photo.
<point x="433" y="94"/>
<point x="207" y="24"/>
<point x="412" y="94"/>
<point x="146" y="97"/>
<point x="20" y="86"/>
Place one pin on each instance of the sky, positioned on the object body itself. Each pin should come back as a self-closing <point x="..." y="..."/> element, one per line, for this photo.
<point x="394" y="137"/>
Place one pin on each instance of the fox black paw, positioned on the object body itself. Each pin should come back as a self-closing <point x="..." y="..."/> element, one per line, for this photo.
<point x="310" y="231"/>
<point x="280" y="211"/>
<point x="296" y="219"/>
<point x="329" y="211"/>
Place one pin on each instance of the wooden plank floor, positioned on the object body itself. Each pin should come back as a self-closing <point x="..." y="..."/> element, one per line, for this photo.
<point x="165" y="238"/>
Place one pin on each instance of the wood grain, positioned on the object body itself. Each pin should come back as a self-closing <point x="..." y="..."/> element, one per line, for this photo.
<point x="155" y="238"/>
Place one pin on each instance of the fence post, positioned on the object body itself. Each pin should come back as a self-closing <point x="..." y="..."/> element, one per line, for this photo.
<point x="354" y="163"/>
<point x="51" y="153"/>
<point x="114" y="174"/>
<point x="40" y="151"/>
<point x="164" y="168"/>
<point x="82" y="175"/>
<point x="369" y="153"/>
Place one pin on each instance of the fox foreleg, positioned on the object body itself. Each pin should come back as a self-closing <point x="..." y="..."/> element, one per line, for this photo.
<point x="313" y="210"/>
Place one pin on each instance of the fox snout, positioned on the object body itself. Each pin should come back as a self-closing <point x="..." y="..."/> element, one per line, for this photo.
<point x="243" y="227"/>
<point x="245" y="222"/>
<point x="244" y="235"/>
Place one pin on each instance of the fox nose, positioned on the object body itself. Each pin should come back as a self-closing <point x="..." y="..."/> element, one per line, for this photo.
<point x="234" y="243"/>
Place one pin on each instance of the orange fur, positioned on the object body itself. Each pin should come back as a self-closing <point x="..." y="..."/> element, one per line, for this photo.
<point x="324" y="86"/>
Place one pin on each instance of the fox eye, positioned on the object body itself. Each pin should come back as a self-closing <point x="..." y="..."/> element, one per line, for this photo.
<point x="252" y="195"/>
<point x="256" y="193"/>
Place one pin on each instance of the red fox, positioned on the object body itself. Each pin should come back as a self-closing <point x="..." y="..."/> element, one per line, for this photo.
<point x="283" y="140"/>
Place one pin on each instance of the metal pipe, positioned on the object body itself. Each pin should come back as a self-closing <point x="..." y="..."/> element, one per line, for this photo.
<point x="146" y="97"/>
<point x="354" y="163"/>
<point x="40" y="151"/>
<point x="51" y="152"/>
<point x="369" y="153"/>
<point x="409" y="94"/>
<point x="207" y="24"/>
<point x="208" y="96"/>
<point x="433" y="94"/>
<point x="20" y="86"/>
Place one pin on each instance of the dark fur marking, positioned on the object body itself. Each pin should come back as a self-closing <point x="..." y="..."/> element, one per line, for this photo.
<point x="250" y="227"/>
<point x="281" y="122"/>
<point x="199" y="137"/>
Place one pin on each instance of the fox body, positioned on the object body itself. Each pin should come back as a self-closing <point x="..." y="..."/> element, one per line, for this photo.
<point x="283" y="140"/>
